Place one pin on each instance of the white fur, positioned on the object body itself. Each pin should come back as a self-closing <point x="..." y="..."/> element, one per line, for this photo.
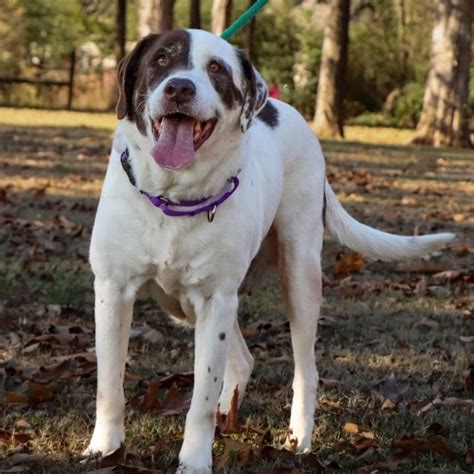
<point x="195" y="268"/>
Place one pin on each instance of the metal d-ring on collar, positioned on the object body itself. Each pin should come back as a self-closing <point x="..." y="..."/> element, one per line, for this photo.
<point x="184" y="208"/>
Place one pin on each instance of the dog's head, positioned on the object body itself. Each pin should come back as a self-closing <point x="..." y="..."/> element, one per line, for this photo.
<point x="183" y="89"/>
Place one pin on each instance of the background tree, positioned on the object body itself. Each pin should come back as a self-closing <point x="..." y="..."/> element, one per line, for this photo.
<point x="195" y="14"/>
<point x="221" y="15"/>
<point x="328" y="119"/>
<point x="445" y="117"/>
<point x="155" y="16"/>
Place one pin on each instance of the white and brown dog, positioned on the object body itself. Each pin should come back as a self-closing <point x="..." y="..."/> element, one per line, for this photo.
<point x="208" y="182"/>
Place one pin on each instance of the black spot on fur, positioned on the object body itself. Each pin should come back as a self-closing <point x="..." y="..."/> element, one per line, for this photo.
<point x="215" y="379"/>
<point x="222" y="336"/>
<point x="269" y="115"/>
<point x="208" y="370"/>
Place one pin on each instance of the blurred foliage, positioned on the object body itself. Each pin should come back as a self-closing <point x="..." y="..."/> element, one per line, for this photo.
<point x="388" y="60"/>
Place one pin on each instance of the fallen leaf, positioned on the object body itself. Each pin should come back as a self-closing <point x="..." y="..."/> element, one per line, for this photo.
<point x="348" y="262"/>
<point x="466" y="339"/>
<point x="351" y="428"/>
<point x="229" y="423"/>
<point x="174" y="403"/>
<point x="434" y="445"/>
<point x="468" y="378"/>
<point x="236" y="454"/>
<point x="470" y="457"/>
<point x="330" y="383"/>
<point x="24" y="458"/>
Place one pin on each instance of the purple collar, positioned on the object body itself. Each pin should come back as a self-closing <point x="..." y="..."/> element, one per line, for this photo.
<point x="184" y="208"/>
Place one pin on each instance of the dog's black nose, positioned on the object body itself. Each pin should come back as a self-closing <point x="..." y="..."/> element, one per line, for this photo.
<point x="180" y="90"/>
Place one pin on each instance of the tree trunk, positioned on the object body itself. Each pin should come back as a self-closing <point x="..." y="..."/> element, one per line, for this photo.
<point x="221" y="15"/>
<point x="120" y="24"/>
<point x="249" y="34"/>
<point x="328" y="119"/>
<point x="155" y="16"/>
<point x="444" y="120"/>
<point x="195" y="14"/>
<point x="145" y="17"/>
<point x="165" y="15"/>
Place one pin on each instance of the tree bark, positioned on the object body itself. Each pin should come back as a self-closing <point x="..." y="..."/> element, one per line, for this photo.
<point x="221" y="15"/>
<point x="121" y="26"/>
<point x="250" y="34"/>
<point x="165" y="15"/>
<point x="195" y="14"/>
<point x="155" y="16"/>
<point x="145" y="17"/>
<point x="328" y="118"/>
<point x="444" y="120"/>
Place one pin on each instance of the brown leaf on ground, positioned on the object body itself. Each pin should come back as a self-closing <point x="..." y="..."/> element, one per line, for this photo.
<point x="347" y="263"/>
<point x="351" y="428"/>
<point x="306" y="461"/>
<point x="330" y="383"/>
<point x="434" y="428"/>
<point x="391" y="464"/>
<point x="10" y="438"/>
<point x="470" y="457"/>
<point x="468" y="378"/>
<point x="37" y="394"/>
<point x="434" y="445"/>
<point x="122" y="461"/>
<point x="24" y="458"/>
<point x="47" y="374"/>
<point x="180" y="379"/>
<point x="236" y="454"/>
<point x="150" y="401"/>
<point x="453" y="402"/>
<point x="387" y="391"/>
<point x="174" y="403"/>
<point x="229" y="423"/>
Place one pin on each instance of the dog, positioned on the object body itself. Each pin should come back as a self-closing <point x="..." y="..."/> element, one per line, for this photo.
<point x="209" y="183"/>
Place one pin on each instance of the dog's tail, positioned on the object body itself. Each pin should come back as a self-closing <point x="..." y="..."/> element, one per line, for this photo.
<point x="374" y="243"/>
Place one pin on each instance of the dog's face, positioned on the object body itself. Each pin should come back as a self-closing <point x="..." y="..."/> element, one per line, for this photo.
<point x="183" y="89"/>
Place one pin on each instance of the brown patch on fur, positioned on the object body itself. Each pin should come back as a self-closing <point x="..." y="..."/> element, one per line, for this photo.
<point x="140" y="71"/>
<point x="224" y="84"/>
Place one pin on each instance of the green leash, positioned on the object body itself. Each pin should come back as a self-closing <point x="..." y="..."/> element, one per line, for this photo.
<point x="243" y="19"/>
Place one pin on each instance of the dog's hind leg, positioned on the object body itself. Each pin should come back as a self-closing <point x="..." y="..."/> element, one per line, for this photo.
<point x="237" y="370"/>
<point x="300" y="240"/>
<point x="113" y="316"/>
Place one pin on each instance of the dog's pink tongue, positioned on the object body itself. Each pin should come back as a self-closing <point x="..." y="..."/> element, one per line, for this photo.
<point x="174" y="148"/>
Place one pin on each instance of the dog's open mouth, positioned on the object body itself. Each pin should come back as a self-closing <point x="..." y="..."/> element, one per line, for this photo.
<point x="177" y="137"/>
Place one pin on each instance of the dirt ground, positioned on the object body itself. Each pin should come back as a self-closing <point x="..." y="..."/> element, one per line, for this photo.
<point x="395" y="344"/>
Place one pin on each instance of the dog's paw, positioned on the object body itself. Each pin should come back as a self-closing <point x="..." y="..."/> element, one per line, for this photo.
<point x="297" y="445"/>
<point x="183" y="469"/>
<point x="105" y="441"/>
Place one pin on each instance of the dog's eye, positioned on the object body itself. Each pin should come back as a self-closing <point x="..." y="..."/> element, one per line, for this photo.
<point x="162" y="59"/>
<point x="214" y="66"/>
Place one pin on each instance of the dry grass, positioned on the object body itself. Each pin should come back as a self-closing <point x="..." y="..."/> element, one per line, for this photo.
<point x="378" y="321"/>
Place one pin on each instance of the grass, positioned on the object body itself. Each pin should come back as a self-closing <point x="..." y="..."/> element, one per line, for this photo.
<point x="379" y="320"/>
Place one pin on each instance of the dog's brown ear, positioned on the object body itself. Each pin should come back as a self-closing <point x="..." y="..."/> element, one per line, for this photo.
<point x="127" y="75"/>
<point x="255" y="92"/>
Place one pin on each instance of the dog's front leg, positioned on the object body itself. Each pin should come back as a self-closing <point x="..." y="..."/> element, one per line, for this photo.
<point x="215" y="319"/>
<point x="113" y="316"/>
